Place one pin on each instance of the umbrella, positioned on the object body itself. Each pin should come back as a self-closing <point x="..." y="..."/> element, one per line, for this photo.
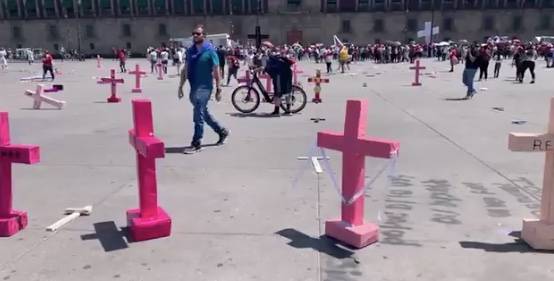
<point x="443" y="43"/>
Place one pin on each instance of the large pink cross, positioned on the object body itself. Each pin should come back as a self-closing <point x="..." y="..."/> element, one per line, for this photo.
<point x="159" y="66"/>
<point x="295" y="72"/>
<point x="39" y="98"/>
<point x="149" y="221"/>
<point x="417" y="68"/>
<point x="355" y="146"/>
<point x="113" y="82"/>
<point x="539" y="233"/>
<point x="138" y="75"/>
<point x="12" y="221"/>
<point x="246" y="78"/>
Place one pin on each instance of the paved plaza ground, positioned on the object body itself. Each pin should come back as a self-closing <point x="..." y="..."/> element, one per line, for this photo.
<point x="453" y="210"/>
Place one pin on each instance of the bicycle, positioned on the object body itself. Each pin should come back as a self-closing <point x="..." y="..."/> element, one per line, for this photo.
<point x="246" y="98"/>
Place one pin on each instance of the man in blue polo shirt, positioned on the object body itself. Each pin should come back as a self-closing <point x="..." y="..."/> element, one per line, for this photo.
<point x="201" y="68"/>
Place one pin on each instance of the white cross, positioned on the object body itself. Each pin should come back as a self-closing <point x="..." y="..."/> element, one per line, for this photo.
<point x="426" y="32"/>
<point x="38" y="98"/>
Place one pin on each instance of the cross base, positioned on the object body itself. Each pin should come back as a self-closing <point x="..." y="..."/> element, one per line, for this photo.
<point x="357" y="236"/>
<point x="148" y="228"/>
<point x="114" y="99"/>
<point x="317" y="99"/>
<point x="15" y="222"/>
<point x="137" y="90"/>
<point x="416" y="84"/>
<point x="538" y="234"/>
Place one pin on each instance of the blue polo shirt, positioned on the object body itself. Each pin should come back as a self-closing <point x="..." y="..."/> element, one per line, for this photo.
<point x="202" y="71"/>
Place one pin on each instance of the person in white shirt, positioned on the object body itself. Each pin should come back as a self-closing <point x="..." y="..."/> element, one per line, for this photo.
<point x="3" y="60"/>
<point x="164" y="55"/>
<point x="153" y="57"/>
<point x="178" y="60"/>
<point x="30" y="56"/>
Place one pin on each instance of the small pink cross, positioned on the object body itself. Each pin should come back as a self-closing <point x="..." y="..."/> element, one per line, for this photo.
<point x="113" y="82"/>
<point x="417" y="68"/>
<point x="138" y="75"/>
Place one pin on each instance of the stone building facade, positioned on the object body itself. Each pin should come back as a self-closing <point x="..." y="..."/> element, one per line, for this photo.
<point x="96" y="26"/>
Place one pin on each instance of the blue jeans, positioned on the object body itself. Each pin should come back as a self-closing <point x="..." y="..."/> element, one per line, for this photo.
<point x="199" y="99"/>
<point x="468" y="77"/>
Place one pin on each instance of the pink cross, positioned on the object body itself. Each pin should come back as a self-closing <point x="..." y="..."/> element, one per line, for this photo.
<point x="12" y="221"/>
<point x="113" y="82"/>
<point x="295" y="72"/>
<point x="39" y="98"/>
<point x="354" y="144"/>
<point x="149" y="221"/>
<point x="159" y="66"/>
<point x="539" y="233"/>
<point x="417" y="68"/>
<point x="138" y="75"/>
<point x="246" y="78"/>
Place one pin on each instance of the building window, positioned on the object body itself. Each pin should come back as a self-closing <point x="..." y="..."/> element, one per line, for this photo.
<point x="162" y="29"/>
<point x="411" y="25"/>
<point x="346" y="28"/>
<point x="126" y="30"/>
<point x="19" y="46"/>
<point x="517" y="23"/>
<point x="378" y="25"/>
<point x="53" y="32"/>
<point x="198" y="7"/>
<point x="56" y="47"/>
<point x="236" y="7"/>
<point x="16" y="33"/>
<point x="363" y="5"/>
<point x="331" y="5"/>
<point x="217" y="8"/>
<point x="545" y="22"/>
<point x="125" y="7"/>
<point x="295" y="4"/>
<point x="128" y="45"/>
<point x="91" y="46"/>
<point x="488" y="23"/>
<point x="89" y="31"/>
<point x="448" y="24"/>
<point x="142" y="7"/>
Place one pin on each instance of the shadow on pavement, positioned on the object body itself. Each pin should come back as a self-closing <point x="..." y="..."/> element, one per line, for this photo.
<point x="517" y="246"/>
<point x="322" y="244"/>
<point x="180" y="149"/>
<point x="110" y="237"/>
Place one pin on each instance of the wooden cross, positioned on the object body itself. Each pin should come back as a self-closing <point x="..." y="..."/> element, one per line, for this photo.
<point x="113" y="82"/>
<point x="149" y="221"/>
<point x="417" y="68"/>
<point x="39" y="98"/>
<point x="138" y="75"/>
<point x="539" y="233"/>
<point x="258" y="36"/>
<point x="12" y="221"/>
<point x="355" y="146"/>
<point x="295" y="72"/>
<point x="317" y="89"/>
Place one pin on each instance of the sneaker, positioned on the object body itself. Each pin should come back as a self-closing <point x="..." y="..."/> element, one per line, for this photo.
<point x="222" y="137"/>
<point x="533" y="82"/>
<point x="195" y="147"/>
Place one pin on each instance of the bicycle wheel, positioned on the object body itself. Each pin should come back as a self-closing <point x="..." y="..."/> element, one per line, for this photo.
<point x="295" y="101"/>
<point x="245" y="99"/>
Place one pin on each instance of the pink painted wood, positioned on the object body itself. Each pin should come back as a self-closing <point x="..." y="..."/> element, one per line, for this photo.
<point x="138" y="75"/>
<point x="12" y="221"/>
<point x="295" y="72"/>
<point x="159" y="66"/>
<point x="417" y="68"/>
<point x="113" y="82"/>
<point x="246" y="79"/>
<point x="149" y="221"/>
<point x="355" y="146"/>
<point x="539" y="233"/>
<point x="268" y="82"/>
<point x="39" y="98"/>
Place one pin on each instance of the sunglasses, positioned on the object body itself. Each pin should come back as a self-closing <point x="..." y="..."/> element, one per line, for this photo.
<point x="196" y="34"/>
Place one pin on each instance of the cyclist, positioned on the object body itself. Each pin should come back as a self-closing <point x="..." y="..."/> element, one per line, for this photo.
<point x="279" y="68"/>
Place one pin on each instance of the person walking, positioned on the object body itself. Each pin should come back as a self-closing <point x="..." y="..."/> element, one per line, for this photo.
<point x="470" y="70"/>
<point x="497" y="64"/>
<point x="528" y="62"/>
<point x="234" y="65"/>
<point x="484" y="59"/>
<point x="201" y="69"/>
<point x="47" y="65"/>
<point x="329" y="60"/>
<point x="122" y="57"/>
<point x="3" y="60"/>
<point x="221" y="54"/>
